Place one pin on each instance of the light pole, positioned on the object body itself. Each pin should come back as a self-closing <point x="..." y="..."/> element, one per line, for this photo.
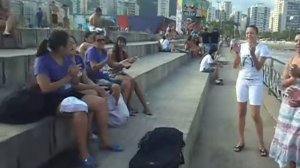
<point x="220" y="18"/>
<point x="290" y="26"/>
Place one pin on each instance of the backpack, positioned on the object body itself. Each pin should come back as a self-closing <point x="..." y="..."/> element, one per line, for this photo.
<point x="160" y="148"/>
<point x="23" y="106"/>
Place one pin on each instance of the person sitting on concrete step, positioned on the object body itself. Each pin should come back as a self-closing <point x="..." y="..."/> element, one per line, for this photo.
<point x="89" y="39"/>
<point x="95" y="62"/>
<point x="7" y="19"/>
<point x="118" y="59"/>
<point x="210" y="65"/>
<point x="56" y="75"/>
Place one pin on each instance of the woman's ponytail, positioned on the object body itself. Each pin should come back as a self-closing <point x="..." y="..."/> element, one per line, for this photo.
<point x="43" y="48"/>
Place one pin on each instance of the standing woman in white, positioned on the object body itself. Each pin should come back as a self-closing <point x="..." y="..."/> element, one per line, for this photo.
<point x="250" y="56"/>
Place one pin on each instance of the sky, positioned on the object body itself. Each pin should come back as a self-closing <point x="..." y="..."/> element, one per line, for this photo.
<point x="243" y="5"/>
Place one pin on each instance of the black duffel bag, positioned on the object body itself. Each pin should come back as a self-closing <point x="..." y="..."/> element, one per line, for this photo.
<point x="160" y="148"/>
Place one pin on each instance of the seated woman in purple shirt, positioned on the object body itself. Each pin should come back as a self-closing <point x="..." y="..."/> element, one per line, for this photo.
<point x="56" y="74"/>
<point x="86" y="85"/>
<point x="96" y="66"/>
<point x="119" y="59"/>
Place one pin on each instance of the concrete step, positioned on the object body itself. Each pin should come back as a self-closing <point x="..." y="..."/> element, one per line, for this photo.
<point x="19" y="144"/>
<point x="176" y="101"/>
<point x="32" y="37"/>
<point x="16" y="64"/>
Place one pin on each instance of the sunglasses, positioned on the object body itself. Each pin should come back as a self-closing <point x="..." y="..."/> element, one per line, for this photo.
<point x="100" y="40"/>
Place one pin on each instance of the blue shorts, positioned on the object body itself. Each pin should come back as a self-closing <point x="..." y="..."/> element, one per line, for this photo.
<point x="208" y="70"/>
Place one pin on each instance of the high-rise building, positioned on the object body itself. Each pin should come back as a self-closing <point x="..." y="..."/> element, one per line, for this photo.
<point x="132" y="8"/>
<point x="236" y="16"/>
<point x="80" y="6"/>
<point x="227" y="8"/>
<point x="286" y="15"/>
<point x="211" y="14"/>
<point x="277" y="15"/>
<point x="259" y="16"/>
<point x="271" y="20"/>
<point x="109" y="7"/>
<point x="163" y="8"/>
<point x="244" y="22"/>
<point x="148" y="8"/>
<point x="119" y="7"/>
<point x="173" y="7"/>
<point x="290" y="15"/>
<point x="218" y="14"/>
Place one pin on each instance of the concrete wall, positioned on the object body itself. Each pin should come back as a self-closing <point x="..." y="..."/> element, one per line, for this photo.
<point x="30" y="38"/>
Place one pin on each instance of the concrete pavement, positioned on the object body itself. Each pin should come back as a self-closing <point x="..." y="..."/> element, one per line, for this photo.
<point x="218" y="132"/>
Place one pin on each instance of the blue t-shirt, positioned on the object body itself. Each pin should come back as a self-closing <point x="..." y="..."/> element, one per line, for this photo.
<point x="46" y="65"/>
<point x="92" y="54"/>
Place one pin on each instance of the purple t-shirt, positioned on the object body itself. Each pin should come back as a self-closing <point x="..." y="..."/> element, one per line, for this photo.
<point x="79" y="61"/>
<point x="92" y="54"/>
<point x="46" y="65"/>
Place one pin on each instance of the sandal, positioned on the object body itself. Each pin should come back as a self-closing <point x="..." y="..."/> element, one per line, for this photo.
<point x="113" y="148"/>
<point x="263" y="152"/>
<point x="147" y="113"/>
<point x="238" y="148"/>
<point x="133" y="112"/>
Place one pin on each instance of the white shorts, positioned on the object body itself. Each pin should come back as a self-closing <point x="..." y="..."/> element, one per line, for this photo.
<point x="251" y="90"/>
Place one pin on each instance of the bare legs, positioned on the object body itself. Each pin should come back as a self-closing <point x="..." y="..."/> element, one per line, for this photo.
<point x="128" y="85"/>
<point x="216" y="73"/>
<point x="258" y="125"/>
<point x="242" y="109"/>
<point x="10" y="25"/>
<point x="80" y="125"/>
<point x="98" y="106"/>
<point x="116" y="91"/>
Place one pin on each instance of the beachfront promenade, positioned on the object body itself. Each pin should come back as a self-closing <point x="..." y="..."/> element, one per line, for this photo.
<point x="179" y="96"/>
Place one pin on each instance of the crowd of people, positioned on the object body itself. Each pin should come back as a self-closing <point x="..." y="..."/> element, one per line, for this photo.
<point x="89" y="74"/>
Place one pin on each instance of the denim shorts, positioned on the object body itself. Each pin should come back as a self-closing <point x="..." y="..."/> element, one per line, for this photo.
<point x="208" y="70"/>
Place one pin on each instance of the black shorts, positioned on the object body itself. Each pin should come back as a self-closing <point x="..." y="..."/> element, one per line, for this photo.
<point x="53" y="100"/>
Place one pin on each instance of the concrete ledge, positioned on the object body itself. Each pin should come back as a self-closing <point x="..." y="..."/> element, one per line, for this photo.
<point x="16" y="65"/>
<point x="29" y="38"/>
<point x="196" y="121"/>
<point x="29" y="146"/>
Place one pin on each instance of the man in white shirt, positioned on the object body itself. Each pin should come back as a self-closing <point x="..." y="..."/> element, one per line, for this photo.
<point x="165" y="44"/>
<point x="209" y="65"/>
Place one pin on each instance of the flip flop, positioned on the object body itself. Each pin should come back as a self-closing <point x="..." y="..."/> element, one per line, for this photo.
<point x="238" y="148"/>
<point x="113" y="148"/>
<point x="134" y="111"/>
<point x="263" y="152"/>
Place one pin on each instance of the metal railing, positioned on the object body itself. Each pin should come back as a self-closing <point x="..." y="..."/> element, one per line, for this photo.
<point x="272" y="78"/>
